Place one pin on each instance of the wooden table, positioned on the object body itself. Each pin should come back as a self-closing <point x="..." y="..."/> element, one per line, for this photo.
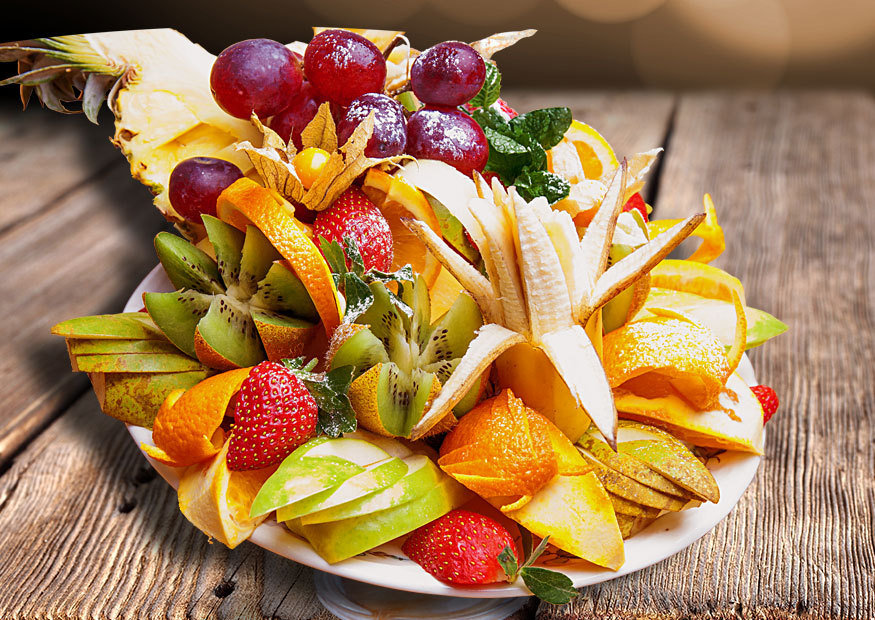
<point x="87" y="531"/>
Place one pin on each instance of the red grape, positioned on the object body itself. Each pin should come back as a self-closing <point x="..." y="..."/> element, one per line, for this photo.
<point x="291" y="122"/>
<point x="390" y="125"/>
<point x="449" y="135"/>
<point x="343" y="65"/>
<point x="195" y="185"/>
<point x="256" y="75"/>
<point x="449" y="73"/>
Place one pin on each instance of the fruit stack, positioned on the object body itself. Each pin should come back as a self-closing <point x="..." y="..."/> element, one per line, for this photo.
<point x="395" y="296"/>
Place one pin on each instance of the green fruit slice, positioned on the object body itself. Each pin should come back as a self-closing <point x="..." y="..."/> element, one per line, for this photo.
<point x="137" y="362"/>
<point x="124" y="326"/>
<point x="95" y="346"/>
<point x="228" y="329"/>
<point x="134" y="398"/>
<point x="361" y="350"/>
<point x="625" y="507"/>
<point x="227" y="243"/>
<point x="256" y="259"/>
<point x="401" y="398"/>
<point x="452" y="332"/>
<point x="383" y="317"/>
<point x="187" y="267"/>
<point x="628" y="489"/>
<point x="616" y="311"/>
<point x="177" y="315"/>
<point x="282" y="291"/>
<point x="676" y="463"/>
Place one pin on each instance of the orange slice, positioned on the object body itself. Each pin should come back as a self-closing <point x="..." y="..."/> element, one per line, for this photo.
<point x="217" y="501"/>
<point x="397" y="199"/>
<point x="186" y="429"/>
<point x="698" y="278"/>
<point x="665" y="355"/>
<point x="709" y="231"/>
<point x="596" y="156"/>
<point x="443" y="293"/>
<point x="245" y="203"/>
<point x="501" y="448"/>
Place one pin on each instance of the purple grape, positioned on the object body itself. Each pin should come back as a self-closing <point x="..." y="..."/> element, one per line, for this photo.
<point x="343" y="65"/>
<point x="449" y="135"/>
<point x="256" y="75"/>
<point x="449" y="73"/>
<point x="195" y="185"/>
<point x="390" y="125"/>
<point x="291" y="122"/>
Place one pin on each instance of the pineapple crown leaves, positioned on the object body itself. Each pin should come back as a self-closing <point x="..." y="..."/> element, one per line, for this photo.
<point x="329" y="390"/>
<point x="348" y="270"/>
<point x="548" y="585"/>
<point x="273" y="160"/>
<point x="63" y="70"/>
<point x="543" y="284"/>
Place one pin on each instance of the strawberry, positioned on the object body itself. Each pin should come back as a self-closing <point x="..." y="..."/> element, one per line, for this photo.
<point x="636" y="202"/>
<point x="353" y="215"/>
<point x="768" y="399"/>
<point x="461" y="547"/>
<point x="274" y="413"/>
<point x="505" y="109"/>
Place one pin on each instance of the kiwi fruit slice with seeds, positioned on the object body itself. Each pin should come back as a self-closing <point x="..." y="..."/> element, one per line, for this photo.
<point x="400" y="359"/>
<point x="236" y="310"/>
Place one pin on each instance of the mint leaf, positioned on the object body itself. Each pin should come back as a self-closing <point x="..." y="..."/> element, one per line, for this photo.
<point x="547" y="125"/>
<point x="334" y="256"/>
<point x="296" y="364"/>
<point x="508" y="562"/>
<point x="405" y="274"/>
<point x="542" y="183"/>
<point x="487" y="117"/>
<point x="358" y="297"/>
<point x="507" y="157"/>
<point x="354" y="256"/>
<point x="491" y="88"/>
<point x="548" y="585"/>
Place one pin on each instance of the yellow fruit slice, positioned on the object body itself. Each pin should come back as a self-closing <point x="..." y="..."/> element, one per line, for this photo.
<point x="709" y="231"/>
<point x="217" y="501"/>
<point x="596" y="156"/>
<point x="186" y="429"/>
<point x="735" y="424"/>
<point x="397" y="199"/>
<point x="698" y="278"/>
<point x="246" y="202"/>
<point x="443" y="293"/>
<point x="664" y="355"/>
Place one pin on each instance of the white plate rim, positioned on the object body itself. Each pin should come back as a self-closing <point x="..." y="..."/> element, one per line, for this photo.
<point x="666" y="536"/>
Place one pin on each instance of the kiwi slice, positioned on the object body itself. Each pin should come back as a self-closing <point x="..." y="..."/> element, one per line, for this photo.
<point x="236" y="310"/>
<point x="400" y="359"/>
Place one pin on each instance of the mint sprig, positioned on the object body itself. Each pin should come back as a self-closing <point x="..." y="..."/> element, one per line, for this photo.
<point x="518" y="147"/>
<point x="548" y="585"/>
<point x="329" y="390"/>
<point x="351" y="278"/>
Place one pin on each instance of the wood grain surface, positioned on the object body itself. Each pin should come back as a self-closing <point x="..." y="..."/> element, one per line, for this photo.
<point x="88" y="531"/>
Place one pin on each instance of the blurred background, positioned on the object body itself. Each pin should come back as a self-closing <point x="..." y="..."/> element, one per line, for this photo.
<point x="665" y="44"/>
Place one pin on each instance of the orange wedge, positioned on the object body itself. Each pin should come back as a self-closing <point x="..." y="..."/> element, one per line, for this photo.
<point x="698" y="278"/>
<point x="396" y="199"/>
<point x="245" y="203"/>
<point x="501" y="448"/>
<point x="596" y="156"/>
<point x="709" y="231"/>
<point x="443" y="293"/>
<point x="186" y="429"/>
<point x="665" y="355"/>
<point x="217" y="501"/>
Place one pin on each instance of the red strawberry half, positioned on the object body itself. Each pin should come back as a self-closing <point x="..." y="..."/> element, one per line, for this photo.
<point x="636" y="202"/>
<point x="353" y="215"/>
<point x="274" y="413"/>
<point x="768" y="399"/>
<point x="461" y="547"/>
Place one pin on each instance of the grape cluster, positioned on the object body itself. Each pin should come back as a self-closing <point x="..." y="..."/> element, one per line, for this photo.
<point x="348" y="71"/>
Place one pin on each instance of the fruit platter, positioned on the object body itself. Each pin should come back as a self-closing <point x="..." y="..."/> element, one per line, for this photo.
<point x="404" y="333"/>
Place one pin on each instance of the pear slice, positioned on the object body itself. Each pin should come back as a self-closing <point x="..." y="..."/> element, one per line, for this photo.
<point x="136" y="362"/>
<point x="625" y="507"/>
<point x="134" y="398"/>
<point x="629" y="526"/>
<point x="630" y="466"/>
<point x="97" y="346"/>
<point x="625" y="487"/>
<point x="125" y="326"/>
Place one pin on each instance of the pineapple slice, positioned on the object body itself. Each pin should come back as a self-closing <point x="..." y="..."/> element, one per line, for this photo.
<point x="156" y="82"/>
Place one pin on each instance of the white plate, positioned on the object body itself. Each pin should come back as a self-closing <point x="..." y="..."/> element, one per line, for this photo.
<point x="388" y="567"/>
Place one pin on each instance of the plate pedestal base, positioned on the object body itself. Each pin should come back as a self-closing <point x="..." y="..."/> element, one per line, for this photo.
<point x="352" y="600"/>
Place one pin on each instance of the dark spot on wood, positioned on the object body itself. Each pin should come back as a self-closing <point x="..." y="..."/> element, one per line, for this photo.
<point x="224" y="589"/>
<point x="143" y="476"/>
<point x="127" y="505"/>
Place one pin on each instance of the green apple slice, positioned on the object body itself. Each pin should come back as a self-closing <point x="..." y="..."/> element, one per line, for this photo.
<point x="375" y="477"/>
<point x="422" y="475"/>
<point x="339" y="540"/>
<point x="319" y="465"/>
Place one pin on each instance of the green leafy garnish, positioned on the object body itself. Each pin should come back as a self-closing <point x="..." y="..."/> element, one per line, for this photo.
<point x="329" y="390"/>
<point x="491" y="88"/>
<point x="518" y="147"/>
<point x="548" y="585"/>
<point x="351" y="279"/>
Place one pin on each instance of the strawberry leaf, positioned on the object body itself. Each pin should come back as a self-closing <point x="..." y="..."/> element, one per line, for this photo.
<point x="329" y="390"/>
<point x="507" y="560"/>
<point x="354" y="256"/>
<point x="548" y="585"/>
<point x="534" y="555"/>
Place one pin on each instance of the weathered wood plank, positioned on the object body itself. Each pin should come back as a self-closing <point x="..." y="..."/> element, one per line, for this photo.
<point x="44" y="156"/>
<point x="792" y="177"/>
<point x="79" y="255"/>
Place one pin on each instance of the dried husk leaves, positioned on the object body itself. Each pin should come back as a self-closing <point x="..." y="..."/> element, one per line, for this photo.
<point x="499" y="41"/>
<point x="273" y="160"/>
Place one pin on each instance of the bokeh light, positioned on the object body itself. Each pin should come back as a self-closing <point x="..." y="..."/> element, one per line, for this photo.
<point x="370" y="14"/>
<point x="610" y="11"/>
<point x="487" y="12"/>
